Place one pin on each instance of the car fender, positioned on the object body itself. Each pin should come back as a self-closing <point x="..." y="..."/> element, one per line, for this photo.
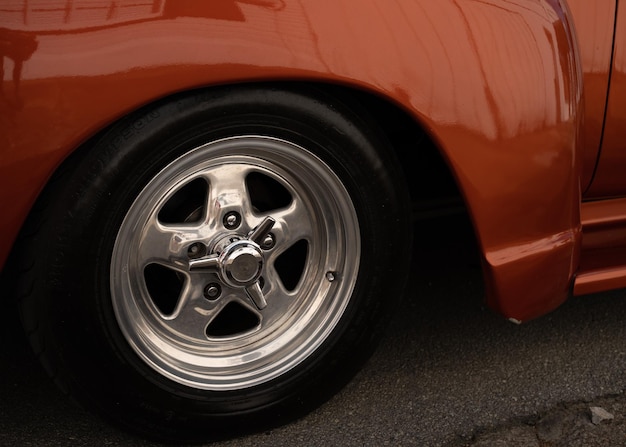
<point x="495" y="83"/>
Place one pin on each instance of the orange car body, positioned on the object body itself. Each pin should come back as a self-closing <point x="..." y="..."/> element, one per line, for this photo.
<point x="524" y="99"/>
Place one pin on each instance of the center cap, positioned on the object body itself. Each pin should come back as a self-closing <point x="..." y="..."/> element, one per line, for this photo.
<point x="241" y="263"/>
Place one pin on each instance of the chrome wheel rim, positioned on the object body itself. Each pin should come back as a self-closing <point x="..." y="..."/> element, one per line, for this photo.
<point x="235" y="263"/>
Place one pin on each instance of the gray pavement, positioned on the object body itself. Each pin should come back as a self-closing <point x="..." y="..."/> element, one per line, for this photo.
<point x="448" y="373"/>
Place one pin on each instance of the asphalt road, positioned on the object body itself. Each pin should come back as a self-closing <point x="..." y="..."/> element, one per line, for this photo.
<point x="448" y="373"/>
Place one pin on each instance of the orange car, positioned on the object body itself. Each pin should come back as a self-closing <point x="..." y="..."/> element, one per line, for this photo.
<point x="206" y="205"/>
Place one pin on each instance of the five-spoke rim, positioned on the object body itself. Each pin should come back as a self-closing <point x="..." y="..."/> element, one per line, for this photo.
<point x="235" y="263"/>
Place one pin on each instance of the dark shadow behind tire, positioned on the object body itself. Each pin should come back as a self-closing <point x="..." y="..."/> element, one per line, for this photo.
<point x="68" y="242"/>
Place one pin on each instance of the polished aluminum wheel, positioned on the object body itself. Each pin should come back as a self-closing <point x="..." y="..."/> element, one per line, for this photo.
<point x="235" y="263"/>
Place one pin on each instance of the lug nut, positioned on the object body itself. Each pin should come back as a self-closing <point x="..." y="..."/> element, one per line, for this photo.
<point x="212" y="291"/>
<point x="232" y="220"/>
<point x="196" y="250"/>
<point x="268" y="242"/>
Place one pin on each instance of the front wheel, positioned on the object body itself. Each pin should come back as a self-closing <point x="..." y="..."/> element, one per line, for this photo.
<point x="221" y="261"/>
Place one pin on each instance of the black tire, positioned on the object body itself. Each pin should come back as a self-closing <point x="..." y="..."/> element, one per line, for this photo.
<point x="220" y="261"/>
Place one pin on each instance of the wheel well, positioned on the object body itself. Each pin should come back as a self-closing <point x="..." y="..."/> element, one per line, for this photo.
<point x="432" y="186"/>
<point x="444" y="234"/>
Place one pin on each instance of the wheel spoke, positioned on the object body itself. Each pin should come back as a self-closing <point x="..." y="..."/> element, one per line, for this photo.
<point x="166" y="244"/>
<point x="192" y="314"/>
<point x="292" y="224"/>
<point x="227" y="190"/>
<point x="278" y="303"/>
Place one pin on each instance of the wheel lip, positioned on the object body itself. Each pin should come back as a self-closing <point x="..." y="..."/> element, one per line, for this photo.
<point x="203" y="368"/>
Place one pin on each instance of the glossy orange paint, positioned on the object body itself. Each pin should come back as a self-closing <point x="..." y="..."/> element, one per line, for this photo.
<point x="497" y="84"/>
<point x="609" y="180"/>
